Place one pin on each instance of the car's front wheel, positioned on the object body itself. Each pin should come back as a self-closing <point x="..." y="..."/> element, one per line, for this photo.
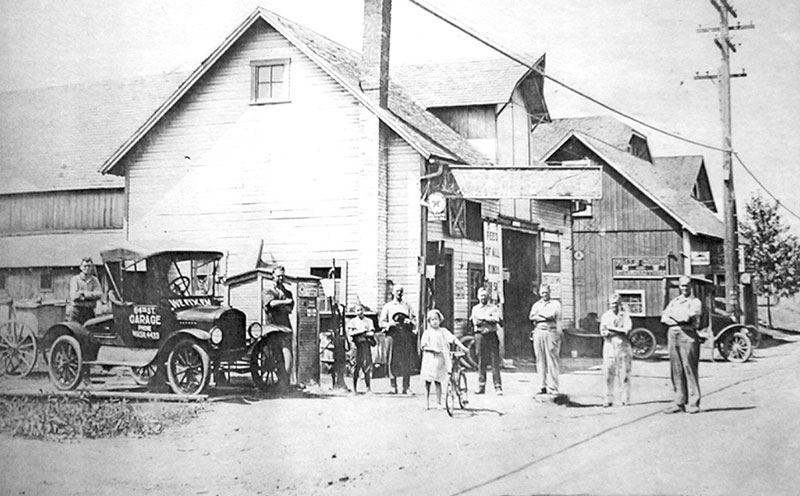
<point x="267" y="364"/>
<point x="65" y="363"/>
<point x="188" y="367"/>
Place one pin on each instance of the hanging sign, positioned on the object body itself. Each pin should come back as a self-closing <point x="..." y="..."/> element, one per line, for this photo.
<point x="493" y="259"/>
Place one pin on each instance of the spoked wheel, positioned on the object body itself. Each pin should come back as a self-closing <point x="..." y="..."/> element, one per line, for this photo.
<point x="463" y="399"/>
<point x="17" y="349"/>
<point x="65" y="363"/>
<point x="736" y="347"/>
<point x="266" y="363"/>
<point x="188" y="369"/>
<point x="643" y="343"/>
<point x="450" y="398"/>
<point x="143" y="376"/>
<point x="469" y="360"/>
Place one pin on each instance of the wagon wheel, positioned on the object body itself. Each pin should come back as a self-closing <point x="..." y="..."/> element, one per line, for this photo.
<point x="736" y="347"/>
<point x="266" y="363"/>
<point x="17" y="349"/>
<point x="143" y="376"/>
<point x="65" y="363"/>
<point x="643" y="343"/>
<point x="188" y="367"/>
<point x="180" y="285"/>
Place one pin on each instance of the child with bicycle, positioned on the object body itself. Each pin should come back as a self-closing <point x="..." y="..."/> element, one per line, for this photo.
<point x="436" y="361"/>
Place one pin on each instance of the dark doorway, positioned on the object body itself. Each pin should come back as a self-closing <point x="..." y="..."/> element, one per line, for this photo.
<point x="520" y="251"/>
<point x="441" y="288"/>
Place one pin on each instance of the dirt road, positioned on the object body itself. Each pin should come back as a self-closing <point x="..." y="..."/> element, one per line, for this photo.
<point x="744" y="442"/>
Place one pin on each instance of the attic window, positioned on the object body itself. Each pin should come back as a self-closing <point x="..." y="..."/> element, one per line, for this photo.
<point x="270" y="81"/>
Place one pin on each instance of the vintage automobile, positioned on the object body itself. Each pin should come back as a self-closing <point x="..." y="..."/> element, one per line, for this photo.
<point x="735" y="341"/>
<point x="166" y="323"/>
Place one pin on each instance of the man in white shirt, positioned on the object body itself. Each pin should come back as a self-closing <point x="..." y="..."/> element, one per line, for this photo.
<point x="615" y="326"/>
<point x="485" y="318"/>
<point x="682" y="318"/>
<point x="545" y="315"/>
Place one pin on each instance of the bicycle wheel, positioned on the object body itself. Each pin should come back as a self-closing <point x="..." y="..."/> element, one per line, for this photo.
<point x="461" y="391"/>
<point x="450" y="397"/>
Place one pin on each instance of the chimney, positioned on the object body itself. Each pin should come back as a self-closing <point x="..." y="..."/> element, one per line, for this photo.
<point x="375" y="50"/>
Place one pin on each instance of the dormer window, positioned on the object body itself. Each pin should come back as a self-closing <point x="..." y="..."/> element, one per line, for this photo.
<point x="270" y="81"/>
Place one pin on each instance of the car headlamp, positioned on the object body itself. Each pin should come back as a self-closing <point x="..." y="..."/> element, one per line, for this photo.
<point x="255" y="330"/>
<point x="216" y="335"/>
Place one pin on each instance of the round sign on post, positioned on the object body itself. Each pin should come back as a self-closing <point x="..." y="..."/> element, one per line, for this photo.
<point x="437" y="204"/>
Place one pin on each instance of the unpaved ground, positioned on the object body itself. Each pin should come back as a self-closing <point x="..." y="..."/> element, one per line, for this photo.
<point x="744" y="442"/>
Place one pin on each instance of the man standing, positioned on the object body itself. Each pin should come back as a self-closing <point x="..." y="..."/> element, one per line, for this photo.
<point x="682" y="318"/>
<point x="362" y="332"/>
<point x="398" y="322"/>
<point x="485" y="318"/>
<point x="84" y="291"/>
<point x="278" y="304"/>
<point x="615" y="326"/>
<point x="546" y="336"/>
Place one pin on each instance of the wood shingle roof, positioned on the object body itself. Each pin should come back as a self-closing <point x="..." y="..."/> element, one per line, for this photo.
<point x="55" y="138"/>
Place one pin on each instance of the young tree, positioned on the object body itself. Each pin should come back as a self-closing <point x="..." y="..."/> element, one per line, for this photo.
<point x="771" y="250"/>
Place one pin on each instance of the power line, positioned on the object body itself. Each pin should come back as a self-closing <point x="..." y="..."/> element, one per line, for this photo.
<point x="761" y="185"/>
<point x="520" y="60"/>
<point x="507" y="53"/>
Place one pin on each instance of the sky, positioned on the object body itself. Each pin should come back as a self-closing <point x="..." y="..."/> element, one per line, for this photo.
<point x="637" y="56"/>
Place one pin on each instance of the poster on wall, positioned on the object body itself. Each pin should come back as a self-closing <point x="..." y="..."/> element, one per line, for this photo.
<point x="493" y="259"/>
<point x="551" y="253"/>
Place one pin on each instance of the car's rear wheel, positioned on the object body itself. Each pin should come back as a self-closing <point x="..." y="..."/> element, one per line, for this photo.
<point x="643" y="343"/>
<point x="266" y="363"/>
<point x="65" y="363"/>
<point x="188" y="369"/>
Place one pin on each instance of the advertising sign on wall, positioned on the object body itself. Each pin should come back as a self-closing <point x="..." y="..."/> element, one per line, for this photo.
<point x="493" y="258"/>
<point x="638" y="267"/>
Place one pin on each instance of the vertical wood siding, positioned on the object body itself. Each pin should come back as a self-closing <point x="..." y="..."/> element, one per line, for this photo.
<point x="62" y="211"/>
<point x="593" y="275"/>
<point x="555" y="216"/>
<point x="404" y="222"/>
<point x="224" y="173"/>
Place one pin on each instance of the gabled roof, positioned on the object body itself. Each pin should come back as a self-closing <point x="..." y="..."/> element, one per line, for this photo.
<point x="547" y="136"/>
<point x="679" y="172"/>
<point x="54" y="138"/>
<point x="422" y="130"/>
<point x="460" y="83"/>
<point x="651" y="180"/>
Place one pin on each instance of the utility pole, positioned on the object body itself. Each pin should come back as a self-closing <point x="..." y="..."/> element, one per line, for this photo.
<point x="724" y="76"/>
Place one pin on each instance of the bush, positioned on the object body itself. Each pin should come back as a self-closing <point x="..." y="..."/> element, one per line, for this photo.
<point x="60" y="418"/>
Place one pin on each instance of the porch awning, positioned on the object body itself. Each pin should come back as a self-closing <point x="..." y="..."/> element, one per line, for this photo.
<point x="535" y="183"/>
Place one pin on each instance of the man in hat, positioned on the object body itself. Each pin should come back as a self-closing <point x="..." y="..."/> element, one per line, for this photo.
<point x="397" y="321"/>
<point x="485" y="318"/>
<point x="615" y="326"/>
<point x="546" y="336"/>
<point x="682" y="318"/>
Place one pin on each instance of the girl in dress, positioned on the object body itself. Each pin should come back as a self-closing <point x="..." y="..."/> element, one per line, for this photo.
<point x="436" y="361"/>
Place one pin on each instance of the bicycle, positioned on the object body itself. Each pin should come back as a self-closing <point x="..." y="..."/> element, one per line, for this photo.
<point x="456" y="385"/>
